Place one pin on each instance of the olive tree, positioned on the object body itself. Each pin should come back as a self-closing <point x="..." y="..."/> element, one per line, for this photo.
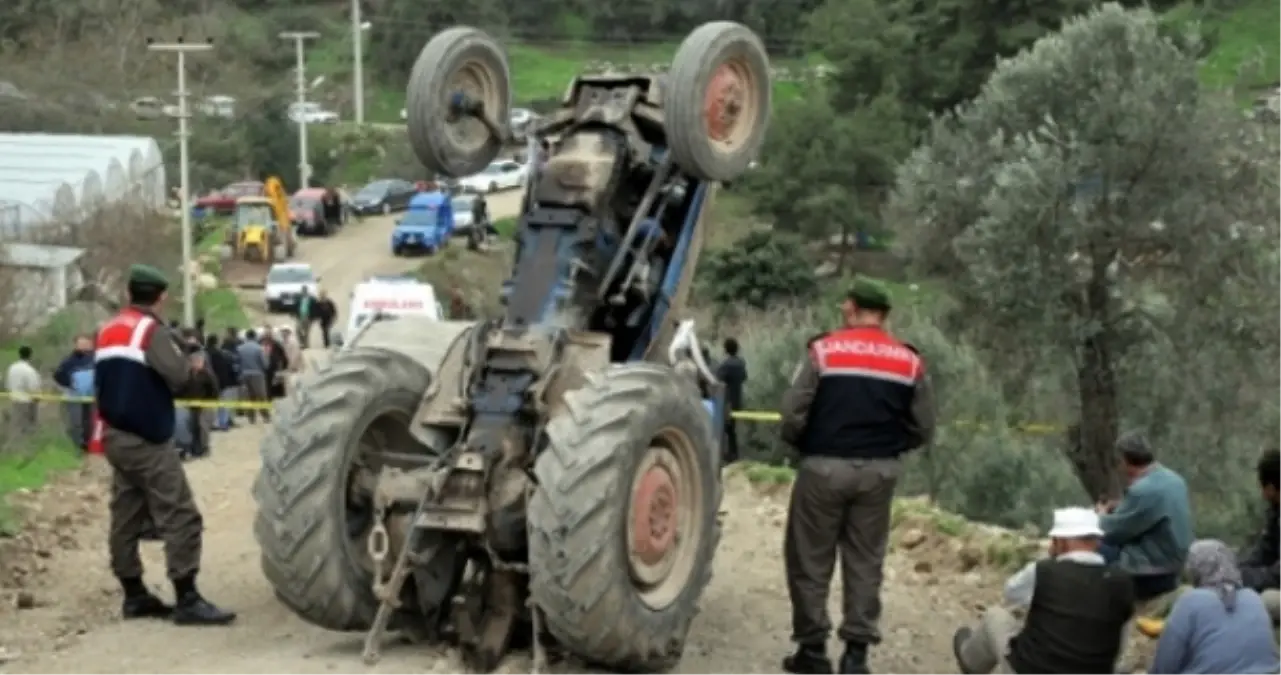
<point x="1109" y="226"/>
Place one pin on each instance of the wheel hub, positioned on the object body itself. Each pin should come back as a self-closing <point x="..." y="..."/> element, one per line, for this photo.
<point x="654" y="521"/>
<point x="724" y="102"/>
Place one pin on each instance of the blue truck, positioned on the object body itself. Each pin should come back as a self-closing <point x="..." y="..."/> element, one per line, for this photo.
<point x="426" y="226"/>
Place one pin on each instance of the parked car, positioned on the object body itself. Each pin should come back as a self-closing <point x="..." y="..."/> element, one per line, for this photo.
<point x="218" y="106"/>
<point x="500" y="175"/>
<point x="223" y="202"/>
<point x="383" y="196"/>
<point x="307" y="212"/>
<point x="285" y="282"/>
<point x="462" y="205"/>
<point x="311" y="113"/>
<point x="148" y="108"/>
<point x="426" y="226"/>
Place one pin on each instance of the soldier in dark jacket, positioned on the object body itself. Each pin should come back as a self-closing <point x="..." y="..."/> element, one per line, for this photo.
<point x="139" y="366"/>
<point x="1259" y="565"/>
<point x="858" y="401"/>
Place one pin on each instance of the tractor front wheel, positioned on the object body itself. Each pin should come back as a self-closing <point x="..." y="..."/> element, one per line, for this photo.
<point x="315" y="509"/>
<point x="623" y="525"/>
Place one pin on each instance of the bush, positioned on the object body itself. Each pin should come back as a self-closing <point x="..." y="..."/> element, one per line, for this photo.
<point x="985" y="472"/>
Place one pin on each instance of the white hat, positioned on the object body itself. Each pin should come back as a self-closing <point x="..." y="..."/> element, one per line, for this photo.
<point x="1075" y="523"/>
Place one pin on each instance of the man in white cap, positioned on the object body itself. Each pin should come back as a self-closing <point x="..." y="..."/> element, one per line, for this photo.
<point x="1077" y="609"/>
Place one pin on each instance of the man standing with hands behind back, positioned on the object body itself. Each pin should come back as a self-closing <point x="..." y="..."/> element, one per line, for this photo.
<point x="858" y="401"/>
<point x="138" y="366"/>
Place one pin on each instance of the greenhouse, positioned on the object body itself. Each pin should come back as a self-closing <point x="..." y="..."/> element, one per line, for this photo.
<point x="48" y="178"/>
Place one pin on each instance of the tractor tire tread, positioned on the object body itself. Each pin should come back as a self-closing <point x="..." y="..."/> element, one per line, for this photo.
<point x="578" y="558"/>
<point x="300" y="487"/>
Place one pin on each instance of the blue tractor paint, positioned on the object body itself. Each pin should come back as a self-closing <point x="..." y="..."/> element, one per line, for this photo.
<point x="426" y="226"/>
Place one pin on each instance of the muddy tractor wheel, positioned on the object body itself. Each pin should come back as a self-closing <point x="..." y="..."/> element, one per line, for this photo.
<point x="314" y="507"/>
<point x="623" y="525"/>
<point x="459" y="64"/>
<point x="717" y="103"/>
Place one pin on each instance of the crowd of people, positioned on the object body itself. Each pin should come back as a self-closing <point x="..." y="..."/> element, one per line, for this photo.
<point x="250" y="365"/>
<point x="860" y="399"/>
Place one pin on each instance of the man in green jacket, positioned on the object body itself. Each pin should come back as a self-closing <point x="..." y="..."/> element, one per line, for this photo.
<point x="305" y="306"/>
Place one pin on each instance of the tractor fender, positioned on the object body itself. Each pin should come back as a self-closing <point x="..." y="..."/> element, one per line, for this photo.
<point x="439" y="346"/>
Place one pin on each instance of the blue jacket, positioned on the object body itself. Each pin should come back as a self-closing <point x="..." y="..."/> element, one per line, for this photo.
<point x="75" y="373"/>
<point x="1202" y="636"/>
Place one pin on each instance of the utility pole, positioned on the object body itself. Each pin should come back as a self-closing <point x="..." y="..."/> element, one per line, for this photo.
<point x="182" y="48"/>
<point x="300" y="72"/>
<point x="358" y="60"/>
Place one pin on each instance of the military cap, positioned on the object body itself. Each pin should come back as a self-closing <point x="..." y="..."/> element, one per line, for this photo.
<point x="147" y="275"/>
<point x="868" y="293"/>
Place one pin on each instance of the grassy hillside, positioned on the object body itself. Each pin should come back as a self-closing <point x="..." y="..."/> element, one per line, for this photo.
<point x="1246" y="43"/>
<point x="1245" y="39"/>
<point x="539" y="71"/>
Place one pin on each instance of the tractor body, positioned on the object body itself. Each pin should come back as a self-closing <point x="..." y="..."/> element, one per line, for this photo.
<point x="555" y="471"/>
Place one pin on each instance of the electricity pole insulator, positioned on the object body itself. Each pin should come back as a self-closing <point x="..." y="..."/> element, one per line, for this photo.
<point x="182" y="47"/>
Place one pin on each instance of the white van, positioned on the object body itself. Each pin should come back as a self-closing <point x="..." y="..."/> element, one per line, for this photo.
<point x="391" y="297"/>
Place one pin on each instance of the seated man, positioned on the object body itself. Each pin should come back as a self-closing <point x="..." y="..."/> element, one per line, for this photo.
<point x="1077" y="605"/>
<point x="1259" y="568"/>
<point x="1148" y="533"/>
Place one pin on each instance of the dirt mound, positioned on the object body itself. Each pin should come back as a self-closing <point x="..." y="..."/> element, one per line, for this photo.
<point x="57" y="520"/>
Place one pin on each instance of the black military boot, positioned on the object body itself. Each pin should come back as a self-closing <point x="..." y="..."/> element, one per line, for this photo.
<point x="145" y="606"/>
<point x="808" y="660"/>
<point x="854" y="660"/>
<point x="193" y="610"/>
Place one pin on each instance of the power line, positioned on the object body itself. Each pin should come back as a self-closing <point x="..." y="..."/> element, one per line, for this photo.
<point x="182" y="48"/>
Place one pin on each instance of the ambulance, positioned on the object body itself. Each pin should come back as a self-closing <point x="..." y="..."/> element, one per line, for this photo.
<point x="393" y="297"/>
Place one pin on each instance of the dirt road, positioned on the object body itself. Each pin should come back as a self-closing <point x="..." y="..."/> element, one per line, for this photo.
<point x="68" y="623"/>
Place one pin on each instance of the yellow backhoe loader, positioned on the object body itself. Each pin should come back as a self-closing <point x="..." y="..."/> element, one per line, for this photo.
<point x="260" y="236"/>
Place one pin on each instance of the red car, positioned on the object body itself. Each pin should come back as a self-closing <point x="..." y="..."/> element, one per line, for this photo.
<point x="223" y="202"/>
<point x="307" y="212"/>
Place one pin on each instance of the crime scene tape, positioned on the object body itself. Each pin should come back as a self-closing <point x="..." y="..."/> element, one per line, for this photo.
<point x="182" y="403"/>
<point x="1030" y="428"/>
<point x="762" y="416"/>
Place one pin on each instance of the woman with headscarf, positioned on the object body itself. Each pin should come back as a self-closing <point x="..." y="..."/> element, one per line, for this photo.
<point x="1219" y="625"/>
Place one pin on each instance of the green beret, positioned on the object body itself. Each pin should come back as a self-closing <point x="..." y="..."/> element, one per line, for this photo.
<point x="147" y="275"/>
<point x="868" y="293"/>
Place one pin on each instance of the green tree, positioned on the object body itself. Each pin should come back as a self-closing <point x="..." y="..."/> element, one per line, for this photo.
<point x="760" y="270"/>
<point x="1115" y="226"/>
<point x="829" y="160"/>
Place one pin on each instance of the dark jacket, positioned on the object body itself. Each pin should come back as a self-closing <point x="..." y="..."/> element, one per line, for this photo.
<point x="324" y="311"/>
<point x="134" y="388"/>
<point x="733" y="373"/>
<point x="203" y="386"/>
<point x="76" y="362"/>
<point x="860" y="394"/>
<point x="277" y="363"/>
<point x="1259" y="568"/>
<point x="223" y="364"/>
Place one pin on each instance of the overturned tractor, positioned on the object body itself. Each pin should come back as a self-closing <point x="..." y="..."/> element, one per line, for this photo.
<point x="554" y="472"/>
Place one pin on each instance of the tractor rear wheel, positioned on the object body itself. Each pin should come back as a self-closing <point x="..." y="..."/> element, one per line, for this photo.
<point x="623" y="524"/>
<point x="460" y="64"/>
<point x="314" y="507"/>
<point x="718" y="101"/>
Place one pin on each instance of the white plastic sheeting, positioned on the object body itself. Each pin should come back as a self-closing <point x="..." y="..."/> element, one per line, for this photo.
<point x="54" y="177"/>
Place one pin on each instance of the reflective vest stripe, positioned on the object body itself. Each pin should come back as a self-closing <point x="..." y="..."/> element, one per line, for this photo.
<point x="123" y="338"/>
<point x="865" y="353"/>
